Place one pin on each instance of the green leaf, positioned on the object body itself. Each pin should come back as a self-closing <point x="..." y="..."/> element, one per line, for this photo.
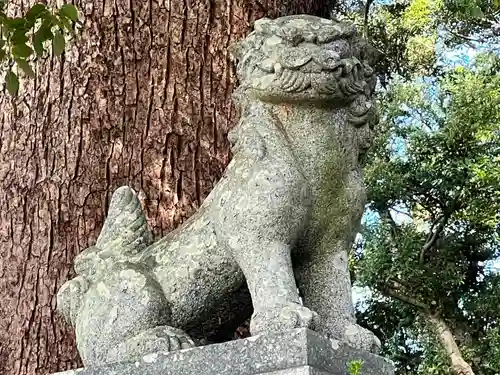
<point x="22" y="50"/>
<point x="2" y="43"/>
<point x="37" y="41"/>
<point x="67" y="24"/>
<point x="35" y="11"/>
<point x="45" y="32"/>
<point x="2" y="55"/>
<point x="69" y="11"/>
<point x="19" y="37"/>
<point x="49" y="21"/>
<point x="56" y="21"/>
<point x="12" y="82"/>
<point x="476" y="12"/>
<point x="58" y="43"/>
<point x="16" y="23"/>
<point x="26" y="68"/>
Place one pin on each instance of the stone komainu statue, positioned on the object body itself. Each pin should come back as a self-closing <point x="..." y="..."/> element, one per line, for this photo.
<point x="276" y="227"/>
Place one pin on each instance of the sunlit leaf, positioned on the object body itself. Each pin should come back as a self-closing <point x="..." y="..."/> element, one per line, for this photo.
<point x="69" y="11"/>
<point x="25" y="66"/>
<point x="58" y="43"/>
<point x="22" y="50"/>
<point x="12" y="82"/>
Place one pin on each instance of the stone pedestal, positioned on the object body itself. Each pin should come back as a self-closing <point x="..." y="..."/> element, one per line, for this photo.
<point x="293" y="352"/>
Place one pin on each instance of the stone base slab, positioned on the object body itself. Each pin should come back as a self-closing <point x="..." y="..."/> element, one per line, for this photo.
<point x="294" y="352"/>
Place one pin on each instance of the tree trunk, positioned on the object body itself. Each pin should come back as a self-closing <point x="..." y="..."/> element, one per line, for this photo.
<point x="143" y="99"/>
<point x="445" y="336"/>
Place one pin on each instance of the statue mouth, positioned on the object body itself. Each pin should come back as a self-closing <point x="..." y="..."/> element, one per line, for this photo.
<point x="339" y="80"/>
<point x="309" y="60"/>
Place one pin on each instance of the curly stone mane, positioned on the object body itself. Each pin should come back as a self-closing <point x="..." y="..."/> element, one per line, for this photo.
<point x="308" y="59"/>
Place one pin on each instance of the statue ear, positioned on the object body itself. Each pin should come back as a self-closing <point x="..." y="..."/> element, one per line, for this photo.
<point x="125" y="229"/>
<point x="368" y="53"/>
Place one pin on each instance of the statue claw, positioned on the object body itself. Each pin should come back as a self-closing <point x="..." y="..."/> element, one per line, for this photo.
<point x="70" y="297"/>
<point x="283" y="317"/>
<point x="361" y="338"/>
<point x="157" y="339"/>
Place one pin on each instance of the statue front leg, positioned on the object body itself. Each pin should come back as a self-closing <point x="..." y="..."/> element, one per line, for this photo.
<point x="326" y="288"/>
<point x="268" y="271"/>
<point x="325" y="281"/>
<point x="258" y="221"/>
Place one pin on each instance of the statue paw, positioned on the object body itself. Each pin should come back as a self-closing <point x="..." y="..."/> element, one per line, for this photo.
<point x="361" y="338"/>
<point x="282" y="317"/>
<point x="70" y="297"/>
<point x="158" y="339"/>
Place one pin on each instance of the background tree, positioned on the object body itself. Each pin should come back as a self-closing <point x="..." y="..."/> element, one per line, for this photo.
<point x="411" y="34"/>
<point x="419" y="165"/>
<point x="437" y="164"/>
<point x="141" y="98"/>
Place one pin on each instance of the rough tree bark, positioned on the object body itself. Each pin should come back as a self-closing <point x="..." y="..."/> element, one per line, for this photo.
<point x="143" y="98"/>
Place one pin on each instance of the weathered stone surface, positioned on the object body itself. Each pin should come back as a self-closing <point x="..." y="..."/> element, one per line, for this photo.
<point x="293" y="352"/>
<point x="286" y="210"/>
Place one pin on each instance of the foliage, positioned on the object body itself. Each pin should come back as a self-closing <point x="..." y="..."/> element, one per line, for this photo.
<point x="390" y="320"/>
<point x="354" y="367"/>
<point x="433" y="178"/>
<point x="22" y="38"/>
<point x="398" y="29"/>
<point x="464" y="19"/>
<point x="406" y="32"/>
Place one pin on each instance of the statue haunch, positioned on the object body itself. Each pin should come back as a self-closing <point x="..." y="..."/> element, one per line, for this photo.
<point x="281" y="219"/>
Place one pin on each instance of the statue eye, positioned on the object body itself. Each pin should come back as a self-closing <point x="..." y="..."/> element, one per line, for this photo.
<point x="341" y="47"/>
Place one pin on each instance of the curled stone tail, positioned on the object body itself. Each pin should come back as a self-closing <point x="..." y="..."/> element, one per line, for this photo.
<point x="125" y="229"/>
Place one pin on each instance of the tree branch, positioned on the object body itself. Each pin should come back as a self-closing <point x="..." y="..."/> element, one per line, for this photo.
<point x="467" y="39"/>
<point x="449" y="344"/>
<point x="394" y="293"/>
<point x="367" y="11"/>
<point x="433" y="236"/>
